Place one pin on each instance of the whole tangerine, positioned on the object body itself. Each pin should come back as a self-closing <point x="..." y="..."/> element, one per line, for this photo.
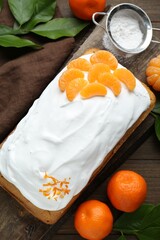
<point x="127" y="190"/>
<point x="93" y="220"/>
<point x="84" y="9"/>
<point x="153" y="73"/>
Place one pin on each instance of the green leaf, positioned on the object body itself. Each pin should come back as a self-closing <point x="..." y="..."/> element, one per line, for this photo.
<point x="122" y="237"/>
<point x="152" y="233"/>
<point x="157" y="127"/>
<point x="22" y="9"/>
<point x="60" y="27"/>
<point x="14" y="41"/>
<point x="5" y="30"/>
<point x="156" y="109"/>
<point x="152" y="219"/>
<point x="1" y="4"/>
<point x="129" y="223"/>
<point x="157" y="106"/>
<point x="44" y="11"/>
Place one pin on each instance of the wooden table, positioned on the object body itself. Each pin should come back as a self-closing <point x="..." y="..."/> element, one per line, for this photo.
<point x="145" y="160"/>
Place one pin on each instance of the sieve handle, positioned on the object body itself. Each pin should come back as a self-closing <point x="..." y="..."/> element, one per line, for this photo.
<point x="94" y="19"/>
<point x="156" y="29"/>
<point x="155" y="41"/>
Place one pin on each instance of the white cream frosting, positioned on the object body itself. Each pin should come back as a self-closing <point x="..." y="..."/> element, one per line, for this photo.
<point x="67" y="139"/>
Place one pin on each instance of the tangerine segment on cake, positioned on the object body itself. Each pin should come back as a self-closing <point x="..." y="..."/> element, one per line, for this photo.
<point x="110" y="81"/>
<point x="106" y="57"/>
<point x="127" y="77"/>
<point x="92" y="90"/>
<point x="74" y="87"/>
<point x="80" y="63"/>
<point x="61" y="145"/>
<point x="68" y="76"/>
<point x="96" y="70"/>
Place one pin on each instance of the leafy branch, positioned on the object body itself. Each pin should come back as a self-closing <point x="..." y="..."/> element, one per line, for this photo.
<point x="143" y="223"/>
<point x="1" y="4"/>
<point x="36" y="16"/>
<point x="156" y="114"/>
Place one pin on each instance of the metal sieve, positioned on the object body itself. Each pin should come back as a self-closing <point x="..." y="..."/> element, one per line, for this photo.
<point x="135" y="12"/>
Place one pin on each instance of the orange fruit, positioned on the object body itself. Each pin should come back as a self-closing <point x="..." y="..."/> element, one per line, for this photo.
<point x="110" y="81"/>
<point x="153" y="73"/>
<point x="92" y="90"/>
<point x="68" y="76"/>
<point x="74" y="87"/>
<point x="93" y="220"/>
<point x="127" y="77"/>
<point x="103" y="56"/>
<point x="127" y="190"/>
<point x="79" y="63"/>
<point x="85" y="9"/>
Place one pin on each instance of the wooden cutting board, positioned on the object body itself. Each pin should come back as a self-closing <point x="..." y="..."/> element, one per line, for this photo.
<point x="16" y="222"/>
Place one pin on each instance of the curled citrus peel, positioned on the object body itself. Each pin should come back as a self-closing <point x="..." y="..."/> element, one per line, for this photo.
<point x="55" y="188"/>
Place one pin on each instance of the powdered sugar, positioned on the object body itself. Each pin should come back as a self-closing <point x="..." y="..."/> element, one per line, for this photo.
<point x="125" y="30"/>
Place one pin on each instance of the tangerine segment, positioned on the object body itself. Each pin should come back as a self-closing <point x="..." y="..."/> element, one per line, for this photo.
<point x="156" y="86"/>
<point x="152" y="70"/>
<point x="74" y="87"/>
<point x="106" y="57"/>
<point x="68" y="76"/>
<point x="154" y="62"/>
<point x="152" y="79"/>
<point x="125" y="76"/>
<point x="91" y="50"/>
<point x="79" y="63"/>
<point x="96" y="70"/>
<point x="92" y="90"/>
<point x="110" y="81"/>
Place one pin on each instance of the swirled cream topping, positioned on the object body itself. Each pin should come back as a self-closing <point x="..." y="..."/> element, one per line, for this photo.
<point x="56" y="147"/>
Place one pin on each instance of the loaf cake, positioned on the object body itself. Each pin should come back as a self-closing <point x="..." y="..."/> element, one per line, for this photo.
<point x="71" y="131"/>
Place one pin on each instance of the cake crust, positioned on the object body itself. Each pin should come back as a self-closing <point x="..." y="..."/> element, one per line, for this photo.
<point x="51" y="217"/>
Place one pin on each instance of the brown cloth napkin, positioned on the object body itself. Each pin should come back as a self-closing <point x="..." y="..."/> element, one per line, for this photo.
<point x="23" y="76"/>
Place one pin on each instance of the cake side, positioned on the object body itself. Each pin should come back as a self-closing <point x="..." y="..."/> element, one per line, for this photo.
<point x="56" y="210"/>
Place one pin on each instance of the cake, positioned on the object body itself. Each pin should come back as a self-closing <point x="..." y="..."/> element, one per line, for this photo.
<point x="71" y="131"/>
